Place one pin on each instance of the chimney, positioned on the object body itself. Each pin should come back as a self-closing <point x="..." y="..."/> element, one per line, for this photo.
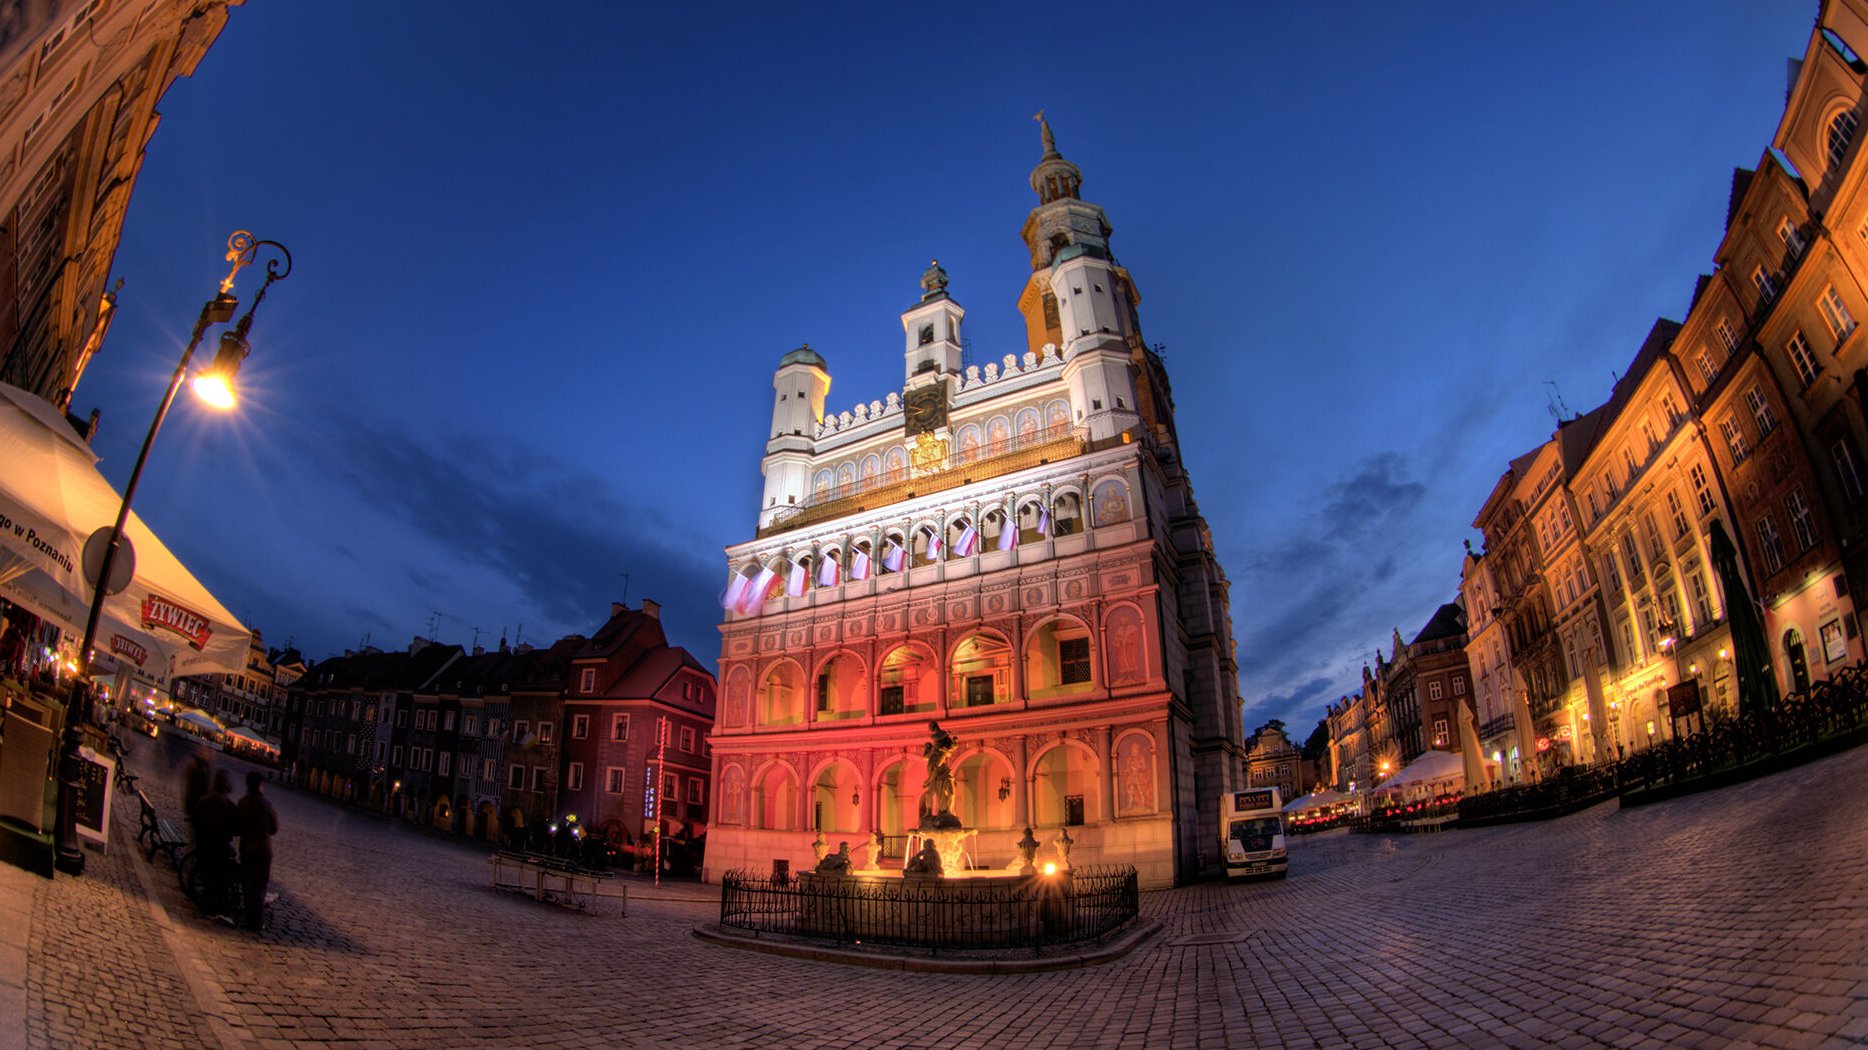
<point x="616" y="608"/>
<point x="652" y="608"/>
<point x="479" y="650"/>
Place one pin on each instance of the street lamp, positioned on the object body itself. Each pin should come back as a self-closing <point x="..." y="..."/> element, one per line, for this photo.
<point x="242" y="250"/>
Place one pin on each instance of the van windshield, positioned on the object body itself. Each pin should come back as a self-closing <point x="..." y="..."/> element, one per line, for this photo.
<point x="1263" y="827"/>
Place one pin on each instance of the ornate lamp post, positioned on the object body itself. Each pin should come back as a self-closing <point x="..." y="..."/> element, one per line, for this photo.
<point x="215" y="386"/>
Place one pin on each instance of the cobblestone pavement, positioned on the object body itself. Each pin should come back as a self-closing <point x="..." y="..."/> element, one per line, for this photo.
<point x="1731" y="918"/>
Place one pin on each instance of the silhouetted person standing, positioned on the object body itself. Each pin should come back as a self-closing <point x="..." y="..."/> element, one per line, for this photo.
<point x="195" y="784"/>
<point x="217" y="820"/>
<point x="259" y="822"/>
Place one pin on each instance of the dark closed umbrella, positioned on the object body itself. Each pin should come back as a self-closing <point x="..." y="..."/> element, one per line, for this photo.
<point x="1757" y="683"/>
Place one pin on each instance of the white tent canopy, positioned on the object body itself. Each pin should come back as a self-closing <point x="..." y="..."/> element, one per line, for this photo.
<point x="52" y="499"/>
<point x="1431" y="770"/>
<point x="1315" y="800"/>
<point x="252" y="738"/>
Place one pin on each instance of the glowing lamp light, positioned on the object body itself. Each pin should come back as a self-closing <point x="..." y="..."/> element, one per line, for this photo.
<point x="1723" y="655"/>
<point x="1050" y="867"/>
<point x="215" y="383"/>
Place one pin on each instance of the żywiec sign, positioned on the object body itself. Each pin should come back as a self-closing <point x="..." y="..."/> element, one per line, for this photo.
<point x="124" y="647"/>
<point x="160" y="612"/>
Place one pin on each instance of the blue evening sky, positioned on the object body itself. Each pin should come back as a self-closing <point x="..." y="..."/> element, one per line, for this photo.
<point x="546" y="265"/>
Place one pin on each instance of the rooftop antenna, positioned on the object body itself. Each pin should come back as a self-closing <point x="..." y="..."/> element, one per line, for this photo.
<point x="476" y="639"/>
<point x="434" y="626"/>
<point x="1558" y="409"/>
<point x="625" y="577"/>
<point x="365" y="643"/>
<point x="518" y="636"/>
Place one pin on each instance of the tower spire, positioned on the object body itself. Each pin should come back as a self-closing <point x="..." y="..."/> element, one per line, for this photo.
<point x="1054" y="178"/>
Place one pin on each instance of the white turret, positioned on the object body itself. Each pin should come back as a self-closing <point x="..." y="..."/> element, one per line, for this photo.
<point x="932" y="330"/>
<point x="799" y="388"/>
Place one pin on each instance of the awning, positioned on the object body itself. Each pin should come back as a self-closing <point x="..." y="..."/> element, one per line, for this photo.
<point x="52" y="499"/>
<point x="252" y="738"/>
<point x="1316" y="800"/>
<point x="1433" y="769"/>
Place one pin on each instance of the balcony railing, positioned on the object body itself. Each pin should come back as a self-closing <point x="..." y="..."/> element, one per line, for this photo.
<point x="957" y="469"/>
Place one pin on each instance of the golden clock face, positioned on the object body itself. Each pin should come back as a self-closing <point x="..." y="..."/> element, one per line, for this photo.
<point x="925" y="410"/>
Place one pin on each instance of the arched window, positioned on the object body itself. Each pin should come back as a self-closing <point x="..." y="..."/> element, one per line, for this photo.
<point x="775" y="799"/>
<point x="781" y="695"/>
<point x="1057" y="660"/>
<point x="981" y="674"/>
<point x="984" y="791"/>
<point x="836" y="799"/>
<point x="1064" y="787"/>
<point x="898" y="796"/>
<point x="908" y="683"/>
<point x="1841" y="133"/>
<point x="839" y="691"/>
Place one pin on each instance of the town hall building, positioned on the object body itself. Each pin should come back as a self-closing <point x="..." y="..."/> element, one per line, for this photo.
<point x="1012" y="550"/>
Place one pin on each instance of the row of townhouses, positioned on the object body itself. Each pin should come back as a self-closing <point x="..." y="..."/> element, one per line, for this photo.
<point x="498" y="744"/>
<point x="1722" y="479"/>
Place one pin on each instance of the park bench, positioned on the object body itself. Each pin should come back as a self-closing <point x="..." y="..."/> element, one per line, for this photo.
<point x="157" y="832"/>
<point x="557" y="881"/>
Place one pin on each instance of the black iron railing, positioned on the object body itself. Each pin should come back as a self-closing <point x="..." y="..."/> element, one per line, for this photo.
<point x="935" y="913"/>
<point x="1573" y="788"/>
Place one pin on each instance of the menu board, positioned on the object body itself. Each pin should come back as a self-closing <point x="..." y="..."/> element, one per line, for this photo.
<point x="92" y="798"/>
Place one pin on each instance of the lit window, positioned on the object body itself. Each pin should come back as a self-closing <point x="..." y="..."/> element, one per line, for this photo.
<point x="1798" y="350"/>
<point x="544" y="732"/>
<point x="1840" y="323"/>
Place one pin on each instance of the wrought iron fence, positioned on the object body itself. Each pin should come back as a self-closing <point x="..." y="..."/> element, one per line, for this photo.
<point x="1829" y="715"/>
<point x="1573" y="788"/>
<point x="964" y="913"/>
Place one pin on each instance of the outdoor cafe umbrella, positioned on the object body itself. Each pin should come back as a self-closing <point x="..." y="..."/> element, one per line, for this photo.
<point x="1751" y="654"/>
<point x="1473" y="758"/>
<point x="52" y="500"/>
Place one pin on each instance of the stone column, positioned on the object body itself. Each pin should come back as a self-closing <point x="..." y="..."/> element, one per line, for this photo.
<point x="1021" y="784"/>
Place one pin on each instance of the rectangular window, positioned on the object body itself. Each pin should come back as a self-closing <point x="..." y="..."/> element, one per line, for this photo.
<point x="1702" y="599"/>
<point x="350" y="744"/>
<point x="544" y="731"/>
<point x="1793" y="240"/>
<point x="447" y="723"/>
<point x="1772" y="543"/>
<point x="1676" y="512"/>
<point x="492" y="727"/>
<point x="1801" y="524"/>
<point x="1433" y="690"/>
<point x="1766" y="284"/>
<point x="381" y="749"/>
<point x="1798" y="350"/>
<point x="614" y="779"/>
<point x="671" y="789"/>
<point x="470" y="725"/>
<point x="395" y="755"/>
<point x="446" y="763"/>
<point x="890" y="702"/>
<point x="1706" y="366"/>
<point x="1761" y="411"/>
<point x="619" y="727"/>
<point x="1073" y="660"/>
<point x="979" y="690"/>
<point x="580" y="726"/>
<point x="1439" y="732"/>
<point x="574" y="777"/>
<point x="1459" y="686"/>
<point x="1701" y="491"/>
<point x="1672" y="410"/>
<point x="687" y="739"/>
<point x="1735" y="440"/>
<point x="1611" y="573"/>
<point x="1728" y="336"/>
<point x="402" y="719"/>
<point x="1840" y="323"/>
<point x="520" y="728"/>
<point x="587" y="682"/>
<point x="538" y="778"/>
<point x="697" y="795"/>
<point x="488" y="769"/>
<point x="1073" y="810"/>
<point x="1844" y="460"/>
<point x="516" y="778"/>
<point x="1632" y="552"/>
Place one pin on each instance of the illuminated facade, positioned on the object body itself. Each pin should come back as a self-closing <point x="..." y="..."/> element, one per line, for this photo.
<point x="1012" y="549"/>
<point x="79" y="83"/>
